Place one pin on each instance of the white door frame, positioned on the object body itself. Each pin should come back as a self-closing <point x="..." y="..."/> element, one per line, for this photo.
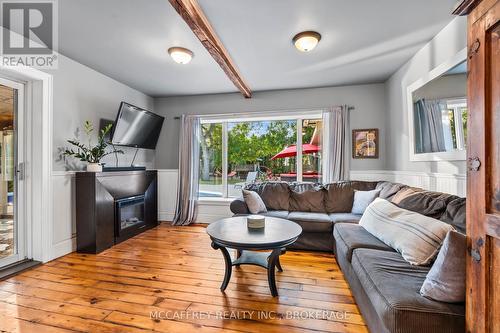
<point x="20" y="243"/>
<point x="38" y="158"/>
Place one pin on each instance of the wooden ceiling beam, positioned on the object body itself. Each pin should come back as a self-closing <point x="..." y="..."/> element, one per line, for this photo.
<point x="192" y="13"/>
<point x="464" y="7"/>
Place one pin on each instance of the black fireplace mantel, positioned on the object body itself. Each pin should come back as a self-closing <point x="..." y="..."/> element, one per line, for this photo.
<point x="97" y="198"/>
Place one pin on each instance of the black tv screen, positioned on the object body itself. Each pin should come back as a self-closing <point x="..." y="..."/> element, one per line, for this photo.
<point x="136" y="127"/>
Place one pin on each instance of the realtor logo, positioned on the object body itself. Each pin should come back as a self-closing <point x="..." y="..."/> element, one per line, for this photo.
<point x="29" y="33"/>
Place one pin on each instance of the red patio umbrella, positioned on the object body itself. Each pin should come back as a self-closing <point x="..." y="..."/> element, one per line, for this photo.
<point x="291" y="151"/>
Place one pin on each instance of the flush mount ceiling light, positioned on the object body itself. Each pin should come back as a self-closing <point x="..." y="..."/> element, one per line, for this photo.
<point x="306" y="41"/>
<point x="180" y="55"/>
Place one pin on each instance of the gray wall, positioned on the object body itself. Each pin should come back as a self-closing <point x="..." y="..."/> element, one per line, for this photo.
<point x="448" y="86"/>
<point x="81" y="93"/>
<point x="447" y="43"/>
<point x="368" y="100"/>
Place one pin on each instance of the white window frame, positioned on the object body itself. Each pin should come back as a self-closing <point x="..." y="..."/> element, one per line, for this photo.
<point x="456" y="105"/>
<point x="455" y="155"/>
<point x="297" y="115"/>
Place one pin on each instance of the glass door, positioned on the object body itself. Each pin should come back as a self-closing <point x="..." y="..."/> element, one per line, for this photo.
<point x="12" y="228"/>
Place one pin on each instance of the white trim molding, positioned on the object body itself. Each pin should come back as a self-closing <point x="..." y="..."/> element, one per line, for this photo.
<point x="63" y="237"/>
<point x="440" y="182"/>
<point x="167" y="193"/>
<point x="38" y="157"/>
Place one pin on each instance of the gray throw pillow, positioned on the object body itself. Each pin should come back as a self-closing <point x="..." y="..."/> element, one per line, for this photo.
<point x="417" y="237"/>
<point x="363" y="199"/>
<point x="445" y="281"/>
<point x="254" y="202"/>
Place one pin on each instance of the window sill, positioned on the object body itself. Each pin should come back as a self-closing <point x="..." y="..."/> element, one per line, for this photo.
<point x="215" y="201"/>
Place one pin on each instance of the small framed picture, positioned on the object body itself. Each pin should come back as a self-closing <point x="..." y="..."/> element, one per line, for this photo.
<point x="365" y="143"/>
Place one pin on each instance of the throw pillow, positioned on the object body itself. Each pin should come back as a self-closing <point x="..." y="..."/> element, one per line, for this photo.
<point x="310" y="200"/>
<point x="445" y="281"/>
<point x="362" y="199"/>
<point x="254" y="202"/>
<point x="417" y="237"/>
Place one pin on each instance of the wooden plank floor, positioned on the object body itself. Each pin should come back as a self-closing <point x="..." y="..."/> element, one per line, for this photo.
<point x="174" y="273"/>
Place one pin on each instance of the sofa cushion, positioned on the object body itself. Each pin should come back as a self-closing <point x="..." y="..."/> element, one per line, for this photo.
<point x="276" y="195"/>
<point x="455" y="214"/>
<point x="432" y="204"/>
<point x="239" y="207"/>
<point x="393" y="285"/>
<point x="254" y="202"/>
<point x="310" y="200"/>
<point x="350" y="236"/>
<point x="344" y="217"/>
<point x="340" y="195"/>
<point x="302" y="186"/>
<point x="282" y="214"/>
<point x="415" y="236"/>
<point x="445" y="281"/>
<point x="389" y="189"/>
<point x="312" y="222"/>
<point x="362" y="199"/>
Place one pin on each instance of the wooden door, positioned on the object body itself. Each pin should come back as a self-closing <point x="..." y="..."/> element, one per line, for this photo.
<point x="483" y="176"/>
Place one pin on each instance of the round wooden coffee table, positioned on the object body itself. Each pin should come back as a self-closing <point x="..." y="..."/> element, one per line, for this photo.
<point x="233" y="233"/>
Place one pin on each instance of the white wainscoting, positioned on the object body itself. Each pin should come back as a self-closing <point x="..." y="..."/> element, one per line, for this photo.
<point x="208" y="210"/>
<point x="212" y="210"/>
<point x="63" y="214"/>
<point x="63" y="199"/>
<point x="440" y="182"/>
<point x="167" y="193"/>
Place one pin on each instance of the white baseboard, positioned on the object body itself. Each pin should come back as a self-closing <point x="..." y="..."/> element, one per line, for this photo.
<point x="62" y="248"/>
<point x="165" y="216"/>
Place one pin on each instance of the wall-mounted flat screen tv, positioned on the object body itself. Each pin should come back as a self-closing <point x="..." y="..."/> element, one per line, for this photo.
<point x="136" y="127"/>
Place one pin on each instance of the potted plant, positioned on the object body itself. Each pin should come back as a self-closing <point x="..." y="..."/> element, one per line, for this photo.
<point x="92" y="154"/>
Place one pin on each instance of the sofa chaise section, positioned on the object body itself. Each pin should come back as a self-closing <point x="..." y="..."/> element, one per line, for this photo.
<point x="391" y="285"/>
<point x="385" y="286"/>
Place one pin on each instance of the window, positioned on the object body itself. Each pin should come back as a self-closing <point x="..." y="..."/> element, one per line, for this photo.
<point x="211" y="160"/>
<point x="457" y="118"/>
<point x="440" y="125"/>
<point x="235" y="152"/>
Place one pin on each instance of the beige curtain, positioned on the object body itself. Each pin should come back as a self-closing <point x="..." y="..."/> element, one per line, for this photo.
<point x="189" y="160"/>
<point x="337" y="144"/>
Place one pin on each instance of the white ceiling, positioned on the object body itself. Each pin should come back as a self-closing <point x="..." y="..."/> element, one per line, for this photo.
<point x="363" y="41"/>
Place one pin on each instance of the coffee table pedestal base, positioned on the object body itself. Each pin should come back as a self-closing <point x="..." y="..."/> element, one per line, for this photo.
<point x="267" y="260"/>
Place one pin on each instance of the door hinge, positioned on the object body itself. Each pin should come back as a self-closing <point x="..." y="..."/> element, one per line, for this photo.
<point x="474" y="48"/>
<point x="476" y="256"/>
<point x="474" y="253"/>
<point x="19" y="171"/>
<point x="473" y="163"/>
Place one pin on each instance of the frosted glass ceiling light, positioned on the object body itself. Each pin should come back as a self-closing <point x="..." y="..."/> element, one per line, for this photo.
<point x="306" y="41"/>
<point x="180" y="55"/>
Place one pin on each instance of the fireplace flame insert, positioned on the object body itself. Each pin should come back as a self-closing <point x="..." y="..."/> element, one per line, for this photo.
<point x="129" y="214"/>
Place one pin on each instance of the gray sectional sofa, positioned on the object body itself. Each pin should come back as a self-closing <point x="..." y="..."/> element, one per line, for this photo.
<point x="385" y="286"/>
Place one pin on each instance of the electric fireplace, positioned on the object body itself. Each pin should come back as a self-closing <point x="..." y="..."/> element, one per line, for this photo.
<point x="129" y="213"/>
<point x="114" y="206"/>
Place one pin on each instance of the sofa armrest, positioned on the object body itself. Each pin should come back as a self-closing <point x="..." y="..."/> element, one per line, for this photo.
<point x="238" y="206"/>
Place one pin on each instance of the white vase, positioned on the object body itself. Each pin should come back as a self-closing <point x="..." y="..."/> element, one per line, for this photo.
<point x="94" y="167"/>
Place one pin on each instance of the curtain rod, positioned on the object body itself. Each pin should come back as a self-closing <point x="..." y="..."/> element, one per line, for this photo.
<point x="350" y="107"/>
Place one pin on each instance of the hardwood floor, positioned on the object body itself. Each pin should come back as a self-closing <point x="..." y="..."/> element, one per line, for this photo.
<point x="173" y="272"/>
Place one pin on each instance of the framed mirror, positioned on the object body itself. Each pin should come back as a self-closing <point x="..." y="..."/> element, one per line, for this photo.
<point x="437" y="112"/>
